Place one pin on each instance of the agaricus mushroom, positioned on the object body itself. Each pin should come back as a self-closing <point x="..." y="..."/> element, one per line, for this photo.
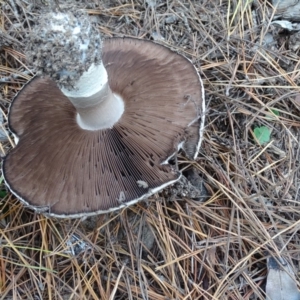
<point x="96" y="130"/>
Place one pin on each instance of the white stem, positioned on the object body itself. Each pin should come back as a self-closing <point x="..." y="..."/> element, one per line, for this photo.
<point x="97" y="107"/>
<point x="104" y="114"/>
<point x="90" y="83"/>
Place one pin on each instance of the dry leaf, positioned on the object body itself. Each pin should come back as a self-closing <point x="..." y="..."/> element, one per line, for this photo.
<point x="281" y="281"/>
<point x="297" y="101"/>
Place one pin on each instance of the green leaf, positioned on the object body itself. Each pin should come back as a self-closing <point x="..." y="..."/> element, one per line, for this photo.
<point x="3" y="194"/>
<point x="275" y="111"/>
<point x="271" y="114"/>
<point x="262" y="134"/>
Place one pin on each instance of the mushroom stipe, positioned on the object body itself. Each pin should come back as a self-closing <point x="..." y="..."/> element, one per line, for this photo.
<point x="60" y="169"/>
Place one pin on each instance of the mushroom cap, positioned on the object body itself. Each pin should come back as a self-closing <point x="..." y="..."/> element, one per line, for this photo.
<point x="61" y="170"/>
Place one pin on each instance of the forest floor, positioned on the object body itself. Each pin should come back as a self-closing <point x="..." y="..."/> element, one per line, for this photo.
<point x="175" y="247"/>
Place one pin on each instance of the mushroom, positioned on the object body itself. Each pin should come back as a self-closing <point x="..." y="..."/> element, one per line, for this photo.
<point x="98" y="124"/>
